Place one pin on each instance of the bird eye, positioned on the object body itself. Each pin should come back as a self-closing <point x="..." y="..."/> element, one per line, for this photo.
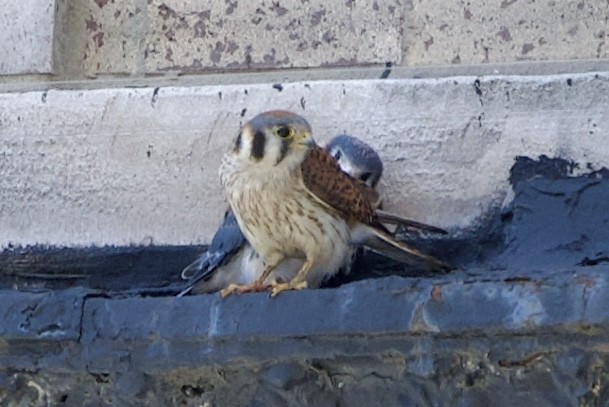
<point x="283" y="131"/>
<point x="337" y="154"/>
<point x="365" y="176"/>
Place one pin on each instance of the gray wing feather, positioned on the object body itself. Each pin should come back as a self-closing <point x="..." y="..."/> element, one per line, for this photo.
<point x="227" y="241"/>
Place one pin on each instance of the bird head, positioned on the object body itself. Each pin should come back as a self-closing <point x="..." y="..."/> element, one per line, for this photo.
<point x="356" y="158"/>
<point x="274" y="138"/>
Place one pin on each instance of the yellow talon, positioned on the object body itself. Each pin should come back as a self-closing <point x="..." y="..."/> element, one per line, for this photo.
<point x="242" y="289"/>
<point x="279" y="287"/>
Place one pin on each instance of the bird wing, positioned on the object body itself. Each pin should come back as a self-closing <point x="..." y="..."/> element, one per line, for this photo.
<point x="373" y="197"/>
<point x="385" y="244"/>
<point x="329" y="185"/>
<point x="370" y="194"/>
<point x="227" y="241"/>
<point x="334" y="189"/>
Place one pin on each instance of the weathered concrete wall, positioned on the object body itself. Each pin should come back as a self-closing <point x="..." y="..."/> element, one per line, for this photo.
<point x="143" y="37"/>
<point x="157" y="36"/>
<point x="27" y="37"/>
<point x="131" y="166"/>
<point x="140" y="37"/>
<point x="482" y="31"/>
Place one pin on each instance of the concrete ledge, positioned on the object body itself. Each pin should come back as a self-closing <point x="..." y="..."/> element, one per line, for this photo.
<point x="401" y="329"/>
<point x="134" y="166"/>
<point x="29" y="83"/>
<point x="44" y="316"/>
<point x="410" y="307"/>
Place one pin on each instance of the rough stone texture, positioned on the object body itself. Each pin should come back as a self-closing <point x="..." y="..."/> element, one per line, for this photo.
<point x="192" y="35"/>
<point x="103" y="37"/>
<point x="415" y="306"/>
<point x="26" y="37"/>
<point x="53" y="316"/>
<point x="123" y="166"/>
<point x="482" y="31"/>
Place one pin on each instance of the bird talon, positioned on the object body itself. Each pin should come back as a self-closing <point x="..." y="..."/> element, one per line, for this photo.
<point x="279" y="287"/>
<point x="232" y="288"/>
<point x="242" y="289"/>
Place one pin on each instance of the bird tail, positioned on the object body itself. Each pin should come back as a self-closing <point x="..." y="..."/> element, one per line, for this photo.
<point x="393" y="219"/>
<point x="383" y="243"/>
<point x="195" y="272"/>
<point x="196" y="267"/>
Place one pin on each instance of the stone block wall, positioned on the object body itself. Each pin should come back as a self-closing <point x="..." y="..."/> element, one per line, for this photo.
<point x="79" y="39"/>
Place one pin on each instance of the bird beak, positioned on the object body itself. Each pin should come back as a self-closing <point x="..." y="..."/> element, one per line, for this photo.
<point x="306" y="139"/>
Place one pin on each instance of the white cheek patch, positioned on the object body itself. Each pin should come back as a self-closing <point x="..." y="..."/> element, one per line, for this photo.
<point x="272" y="152"/>
<point x="246" y="146"/>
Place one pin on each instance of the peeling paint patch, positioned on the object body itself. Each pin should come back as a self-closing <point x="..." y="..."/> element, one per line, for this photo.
<point x="526" y="48"/>
<point x="101" y="3"/>
<point x="504" y="34"/>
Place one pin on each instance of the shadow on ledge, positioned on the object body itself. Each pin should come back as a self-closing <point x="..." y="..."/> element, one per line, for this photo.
<point x="522" y="320"/>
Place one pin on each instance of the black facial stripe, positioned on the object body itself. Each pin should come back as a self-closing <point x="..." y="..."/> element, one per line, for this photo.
<point x="285" y="144"/>
<point x="237" y="144"/>
<point x="258" y="145"/>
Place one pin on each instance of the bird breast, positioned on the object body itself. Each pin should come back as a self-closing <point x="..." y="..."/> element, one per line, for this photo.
<point x="278" y="216"/>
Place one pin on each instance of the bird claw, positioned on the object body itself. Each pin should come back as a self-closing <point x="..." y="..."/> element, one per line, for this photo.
<point x="276" y="288"/>
<point x="242" y="289"/>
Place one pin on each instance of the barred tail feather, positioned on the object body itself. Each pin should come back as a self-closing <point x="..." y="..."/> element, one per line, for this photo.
<point x="392" y="219"/>
<point x="383" y="243"/>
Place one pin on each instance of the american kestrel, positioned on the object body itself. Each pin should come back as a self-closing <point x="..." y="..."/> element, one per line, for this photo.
<point x="291" y="200"/>
<point x="362" y="162"/>
<point x="231" y="259"/>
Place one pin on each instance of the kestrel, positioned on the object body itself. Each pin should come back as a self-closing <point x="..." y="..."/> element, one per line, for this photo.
<point x="291" y="200"/>
<point x="230" y="259"/>
<point x="362" y="162"/>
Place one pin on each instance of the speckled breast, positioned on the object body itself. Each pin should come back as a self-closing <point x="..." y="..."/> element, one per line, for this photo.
<point x="278" y="215"/>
